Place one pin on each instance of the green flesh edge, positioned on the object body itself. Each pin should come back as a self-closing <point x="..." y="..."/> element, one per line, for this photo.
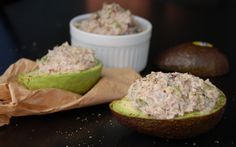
<point x="125" y="108"/>
<point x="78" y="82"/>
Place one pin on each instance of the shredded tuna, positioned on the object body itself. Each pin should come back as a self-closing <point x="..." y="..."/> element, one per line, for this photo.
<point x="66" y="58"/>
<point x="112" y="19"/>
<point x="168" y="95"/>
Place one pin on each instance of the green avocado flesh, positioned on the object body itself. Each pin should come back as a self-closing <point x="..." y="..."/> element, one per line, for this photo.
<point x="78" y="82"/>
<point x="124" y="107"/>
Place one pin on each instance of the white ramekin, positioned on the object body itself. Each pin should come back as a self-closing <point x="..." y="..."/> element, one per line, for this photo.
<point x="115" y="51"/>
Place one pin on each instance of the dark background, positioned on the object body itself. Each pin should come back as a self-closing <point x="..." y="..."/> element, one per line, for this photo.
<point x="28" y="28"/>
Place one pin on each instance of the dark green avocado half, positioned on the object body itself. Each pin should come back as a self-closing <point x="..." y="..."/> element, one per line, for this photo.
<point x="189" y="125"/>
<point x="78" y="82"/>
<point x="198" y="58"/>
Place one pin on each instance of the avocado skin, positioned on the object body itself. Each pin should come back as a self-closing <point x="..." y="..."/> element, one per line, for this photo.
<point x="198" y="60"/>
<point x="173" y="128"/>
<point x="78" y="82"/>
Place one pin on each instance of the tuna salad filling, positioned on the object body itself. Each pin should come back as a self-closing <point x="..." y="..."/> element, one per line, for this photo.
<point x="112" y="19"/>
<point x="169" y="95"/>
<point x="66" y="58"/>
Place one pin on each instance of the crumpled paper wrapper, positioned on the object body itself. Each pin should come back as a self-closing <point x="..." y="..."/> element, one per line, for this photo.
<point x="16" y="100"/>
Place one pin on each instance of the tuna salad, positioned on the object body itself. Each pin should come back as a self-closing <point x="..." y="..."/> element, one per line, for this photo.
<point x="66" y="58"/>
<point x="169" y="95"/>
<point x="112" y="19"/>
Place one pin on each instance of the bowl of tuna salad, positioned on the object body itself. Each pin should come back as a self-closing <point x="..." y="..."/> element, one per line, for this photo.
<point x="171" y="105"/>
<point x="119" y="38"/>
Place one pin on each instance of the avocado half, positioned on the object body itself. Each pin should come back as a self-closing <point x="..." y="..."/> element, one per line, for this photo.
<point x="78" y="82"/>
<point x="189" y="125"/>
<point x="198" y="58"/>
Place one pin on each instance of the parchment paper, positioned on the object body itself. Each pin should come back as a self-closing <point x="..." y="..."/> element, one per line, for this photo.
<point x="16" y="100"/>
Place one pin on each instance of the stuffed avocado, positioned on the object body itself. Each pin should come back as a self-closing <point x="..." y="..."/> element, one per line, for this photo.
<point x="167" y="115"/>
<point x="65" y="67"/>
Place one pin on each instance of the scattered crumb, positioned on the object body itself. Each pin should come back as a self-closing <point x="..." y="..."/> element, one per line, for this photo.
<point x="34" y="43"/>
<point x="217" y="141"/>
<point x="84" y="120"/>
<point x="99" y="115"/>
<point x="110" y="121"/>
<point x="194" y="144"/>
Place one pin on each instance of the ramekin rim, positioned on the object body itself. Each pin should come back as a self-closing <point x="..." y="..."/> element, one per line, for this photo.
<point x="144" y="32"/>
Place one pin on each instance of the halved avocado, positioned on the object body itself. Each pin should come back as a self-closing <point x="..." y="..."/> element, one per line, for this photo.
<point x="189" y="125"/>
<point x="198" y="58"/>
<point x="78" y="82"/>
